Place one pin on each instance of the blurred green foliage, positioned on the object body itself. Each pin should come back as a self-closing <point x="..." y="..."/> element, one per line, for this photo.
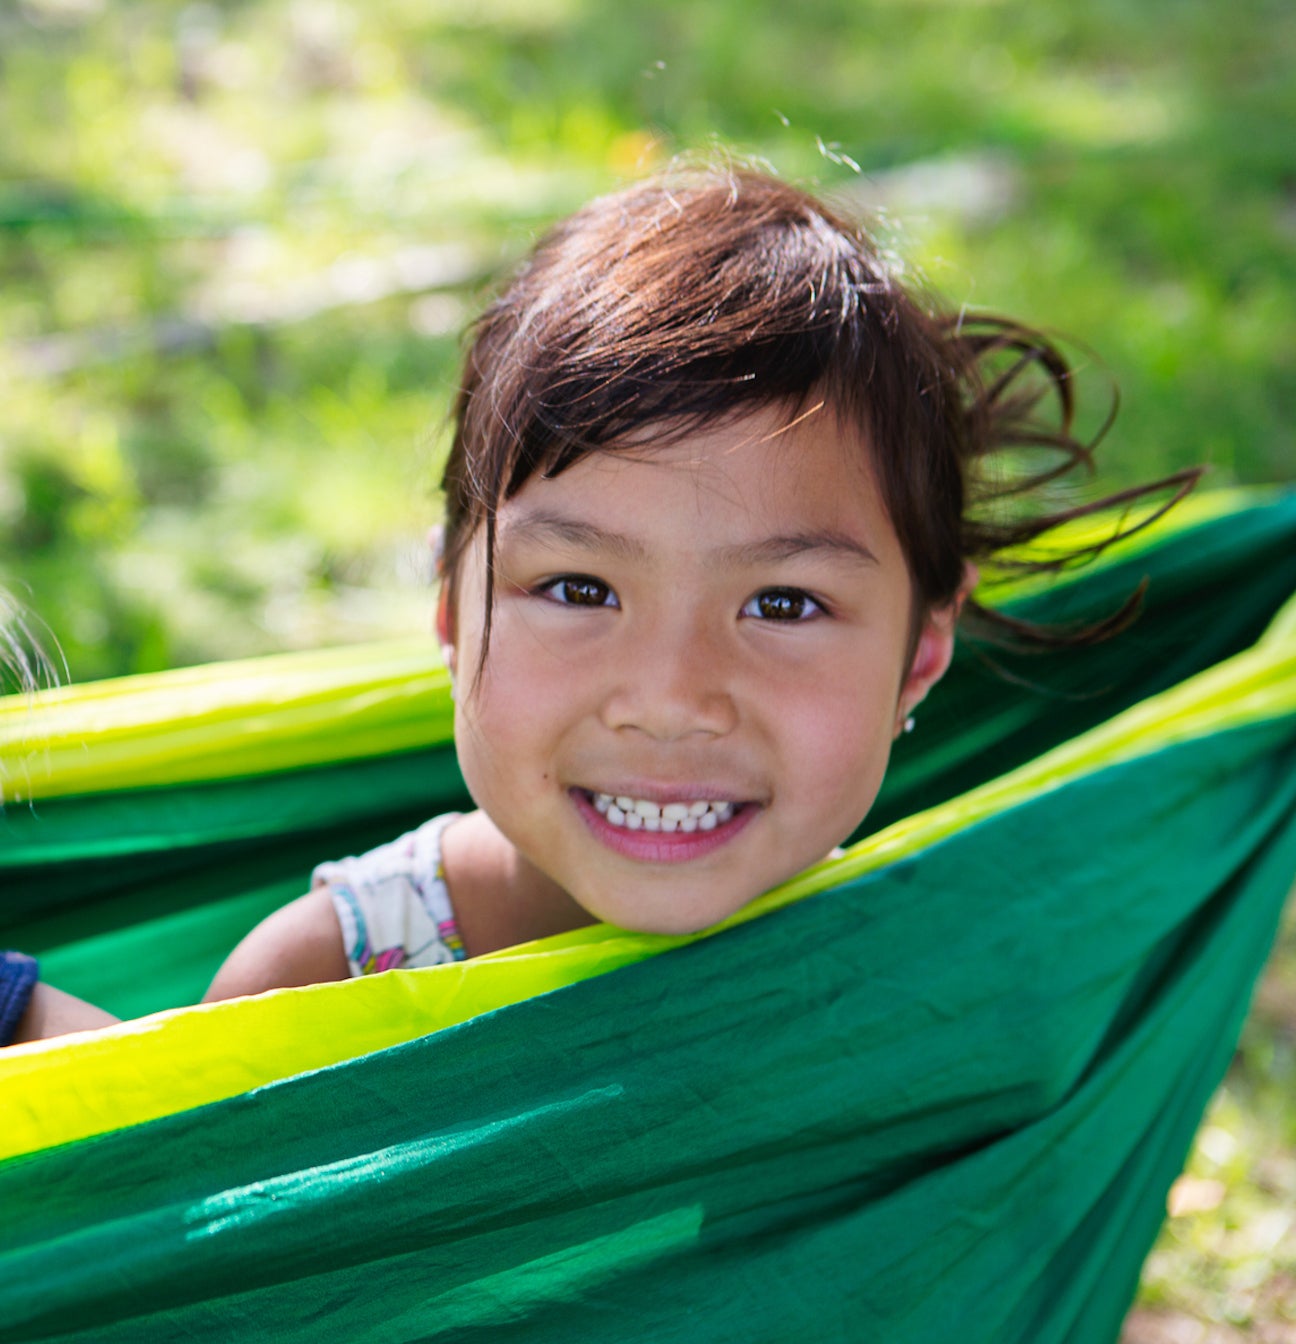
<point x="238" y="242"/>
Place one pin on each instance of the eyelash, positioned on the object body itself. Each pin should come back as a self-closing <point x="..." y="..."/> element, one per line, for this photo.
<point x="809" y="609"/>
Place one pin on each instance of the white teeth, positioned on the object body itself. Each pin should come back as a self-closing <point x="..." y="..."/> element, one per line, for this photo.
<point x="637" y="814"/>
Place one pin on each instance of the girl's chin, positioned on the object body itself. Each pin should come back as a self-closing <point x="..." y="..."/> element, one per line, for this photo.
<point x="648" y="916"/>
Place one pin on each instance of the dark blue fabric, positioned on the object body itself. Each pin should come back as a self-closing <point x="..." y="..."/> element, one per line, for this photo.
<point x="18" y="976"/>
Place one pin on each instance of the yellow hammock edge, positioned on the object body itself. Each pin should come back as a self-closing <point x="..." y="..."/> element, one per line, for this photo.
<point x="225" y="720"/>
<point x="77" y="1086"/>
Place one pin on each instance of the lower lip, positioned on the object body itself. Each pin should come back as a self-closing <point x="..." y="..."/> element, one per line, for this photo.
<point x="661" y="846"/>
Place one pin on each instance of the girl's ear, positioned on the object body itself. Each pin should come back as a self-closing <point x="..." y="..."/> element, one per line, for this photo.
<point x="445" y="626"/>
<point x="935" y="648"/>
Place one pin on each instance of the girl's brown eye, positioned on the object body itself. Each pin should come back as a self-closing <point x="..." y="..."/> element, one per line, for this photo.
<point x="782" y="604"/>
<point x="581" y="591"/>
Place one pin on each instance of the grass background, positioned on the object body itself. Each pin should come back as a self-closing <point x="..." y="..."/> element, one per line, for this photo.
<point x="239" y="242"/>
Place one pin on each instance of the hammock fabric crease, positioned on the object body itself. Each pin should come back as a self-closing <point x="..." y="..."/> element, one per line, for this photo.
<point x="937" y="1088"/>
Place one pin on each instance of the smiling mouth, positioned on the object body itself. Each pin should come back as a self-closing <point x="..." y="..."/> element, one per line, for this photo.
<point x="645" y="814"/>
<point x="680" y="832"/>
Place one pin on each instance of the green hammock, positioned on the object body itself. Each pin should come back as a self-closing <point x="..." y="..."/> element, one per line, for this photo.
<point x="935" y="1088"/>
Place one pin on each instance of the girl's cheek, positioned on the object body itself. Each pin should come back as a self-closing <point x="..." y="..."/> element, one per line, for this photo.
<point x="848" y="740"/>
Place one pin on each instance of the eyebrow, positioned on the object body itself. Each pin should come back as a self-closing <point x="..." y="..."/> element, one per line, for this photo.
<point x="543" y="525"/>
<point x="834" y="545"/>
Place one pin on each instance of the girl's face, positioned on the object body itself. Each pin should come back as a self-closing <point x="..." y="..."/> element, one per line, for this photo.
<point x="716" y="631"/>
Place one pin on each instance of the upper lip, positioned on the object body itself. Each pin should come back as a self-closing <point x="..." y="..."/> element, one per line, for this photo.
<point x="690" y="792"/>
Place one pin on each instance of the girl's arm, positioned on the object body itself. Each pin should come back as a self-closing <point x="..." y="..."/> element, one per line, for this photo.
<point x="51" y="1012"/>
<point x="300" y="944"/>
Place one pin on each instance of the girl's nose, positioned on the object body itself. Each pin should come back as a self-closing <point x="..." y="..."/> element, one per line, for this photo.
<point x="672" y="684"/>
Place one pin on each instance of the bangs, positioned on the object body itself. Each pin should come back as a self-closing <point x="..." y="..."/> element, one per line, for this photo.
<point x="671" y="306"/>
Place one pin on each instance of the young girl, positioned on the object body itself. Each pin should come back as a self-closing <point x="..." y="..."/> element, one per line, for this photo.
<point x="715" y="501"/>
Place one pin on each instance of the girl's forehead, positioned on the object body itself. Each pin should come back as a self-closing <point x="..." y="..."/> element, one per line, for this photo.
<point x="762" y="470"/>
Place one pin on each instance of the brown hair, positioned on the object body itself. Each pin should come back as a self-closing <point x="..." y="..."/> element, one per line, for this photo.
<point x="700" y="295"/>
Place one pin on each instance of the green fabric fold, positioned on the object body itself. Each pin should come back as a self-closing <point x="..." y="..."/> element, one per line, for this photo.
<point x="947" y="1096"/>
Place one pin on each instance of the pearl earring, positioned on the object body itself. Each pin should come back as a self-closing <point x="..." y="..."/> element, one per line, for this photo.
<point x="909" y="724"/>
